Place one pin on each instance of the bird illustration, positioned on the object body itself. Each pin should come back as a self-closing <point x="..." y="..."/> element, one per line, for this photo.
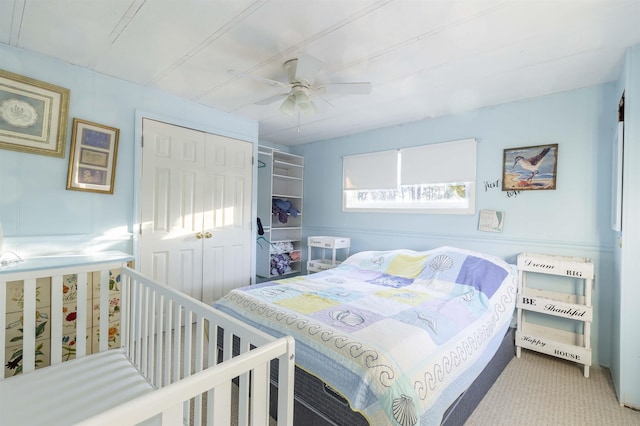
<point x="531" y="164"/>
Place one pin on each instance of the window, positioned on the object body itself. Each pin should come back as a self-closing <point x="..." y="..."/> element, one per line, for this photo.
<point x="436" y="178"/>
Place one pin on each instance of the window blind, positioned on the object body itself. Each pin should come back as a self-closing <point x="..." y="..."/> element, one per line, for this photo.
<point x="439" y="163"/>
<point x="377" y="170"/>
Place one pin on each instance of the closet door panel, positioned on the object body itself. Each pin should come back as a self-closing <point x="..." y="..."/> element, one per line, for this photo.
<point x="171" y="205"/>
<point x="228" y="197"/>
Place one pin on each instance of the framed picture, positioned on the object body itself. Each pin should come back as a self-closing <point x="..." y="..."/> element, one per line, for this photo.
<point x="33" y="115"/>
<point x="530" y="168"/>
<point x="490" y="221"/>
<point x="92" y="163"/>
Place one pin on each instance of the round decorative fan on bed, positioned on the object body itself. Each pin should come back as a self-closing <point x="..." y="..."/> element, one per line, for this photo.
<point x="302" y="87"/>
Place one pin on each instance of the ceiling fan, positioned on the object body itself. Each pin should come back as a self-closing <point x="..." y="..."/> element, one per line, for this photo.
<point x="302" y="87"/>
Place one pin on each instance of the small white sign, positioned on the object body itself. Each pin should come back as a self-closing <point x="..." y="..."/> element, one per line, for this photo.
<point x="491" y="221"/>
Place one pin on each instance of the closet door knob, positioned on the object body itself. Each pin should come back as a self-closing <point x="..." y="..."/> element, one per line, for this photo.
<point x="207" y="234"/>
<point x="199" y="235"/>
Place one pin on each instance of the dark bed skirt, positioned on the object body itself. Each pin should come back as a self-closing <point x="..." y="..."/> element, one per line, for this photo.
<point x="317" y="404"/>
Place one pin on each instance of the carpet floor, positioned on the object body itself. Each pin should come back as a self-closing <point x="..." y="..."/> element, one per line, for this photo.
<point x="537" y="389"/>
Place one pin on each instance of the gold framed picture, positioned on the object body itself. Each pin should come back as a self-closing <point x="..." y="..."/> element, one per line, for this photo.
<point x="92" y="163"/>
<point x="530" y="168"/>
<point x="33" y="115"/>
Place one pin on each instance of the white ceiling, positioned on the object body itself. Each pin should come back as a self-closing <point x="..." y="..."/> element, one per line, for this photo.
<point x="423" y="58"/>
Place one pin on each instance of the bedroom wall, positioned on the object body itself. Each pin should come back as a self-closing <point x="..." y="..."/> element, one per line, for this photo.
<point x="571" y="220"/>
<point x="37" y="213"/>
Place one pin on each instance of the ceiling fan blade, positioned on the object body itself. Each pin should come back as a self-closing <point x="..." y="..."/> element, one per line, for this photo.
<point x="271" y="99"/>
<point x="307" y="68"/>
<point x="362" y="88"/>
<point x="261" y="79"/>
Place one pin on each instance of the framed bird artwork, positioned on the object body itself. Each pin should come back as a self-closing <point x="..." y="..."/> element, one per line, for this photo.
<point x="530" y="168"/>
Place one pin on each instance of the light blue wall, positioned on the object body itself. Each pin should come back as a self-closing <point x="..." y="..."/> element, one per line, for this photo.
<point x="37" y="213"/>
<point x="572" y="220"/>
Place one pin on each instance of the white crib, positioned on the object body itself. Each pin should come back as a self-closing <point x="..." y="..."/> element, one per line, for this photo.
<point x="168" y="369"/>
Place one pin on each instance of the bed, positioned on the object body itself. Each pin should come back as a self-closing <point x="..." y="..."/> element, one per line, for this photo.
<point x="166" y="369"/>
<point x="400" y="336"/>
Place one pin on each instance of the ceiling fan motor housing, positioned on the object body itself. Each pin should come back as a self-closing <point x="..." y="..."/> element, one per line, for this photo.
<point x="290" y="67"/>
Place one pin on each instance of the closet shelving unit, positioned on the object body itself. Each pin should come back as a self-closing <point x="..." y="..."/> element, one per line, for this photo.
<point x="570" y="307"/>
<point x="280" y="176"/>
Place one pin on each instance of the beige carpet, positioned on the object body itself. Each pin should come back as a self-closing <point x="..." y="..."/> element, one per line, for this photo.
<point x="537" y="389"/>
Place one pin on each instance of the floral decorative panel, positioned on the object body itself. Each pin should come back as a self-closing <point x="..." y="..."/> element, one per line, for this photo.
<point x="13" y="357"/>
<point x="69" y="315"/>
<point x="114" y="282"/>
<point x="15" y="294"/>
<point x="69" y="342"/>
<point x="14" y="320"/>
<point x="15" y="323"/>
<point x="114" y="336"/>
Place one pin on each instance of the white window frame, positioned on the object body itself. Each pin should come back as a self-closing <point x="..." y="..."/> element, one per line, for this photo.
<point x="442" y="165"/>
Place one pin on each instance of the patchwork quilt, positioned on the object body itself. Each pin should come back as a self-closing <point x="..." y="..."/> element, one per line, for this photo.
<point x="400" y="334"/>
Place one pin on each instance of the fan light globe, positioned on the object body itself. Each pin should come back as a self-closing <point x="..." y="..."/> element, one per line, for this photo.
<point x="303" y="103"/>
<point x="289" y="105"/>
<point x="307" y="108"/>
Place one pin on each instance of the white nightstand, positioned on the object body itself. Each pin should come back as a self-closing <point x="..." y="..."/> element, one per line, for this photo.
<point x="322" y="262"/>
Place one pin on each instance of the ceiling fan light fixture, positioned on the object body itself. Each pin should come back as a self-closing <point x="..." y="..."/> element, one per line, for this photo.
<point x="301" y="77"/>
<point x="308" y="108"/>
<point x="302" y="100"/>
<point x="289" y="105"/>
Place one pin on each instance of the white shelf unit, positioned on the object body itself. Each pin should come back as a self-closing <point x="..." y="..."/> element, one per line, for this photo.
<point x="322" y="244"/>
<point x="572" y="306"/>
<point x="280" y="177"/>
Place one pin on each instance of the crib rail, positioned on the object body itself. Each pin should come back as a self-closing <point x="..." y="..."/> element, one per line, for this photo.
<point x="188" y="351"/>
<point x="173" y="341"/>
<point x="217" y="380"/>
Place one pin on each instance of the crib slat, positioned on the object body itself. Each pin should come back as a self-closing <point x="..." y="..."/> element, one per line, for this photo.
<point x="260" y="395"/>
<point x="199" y="337"/>
<point x="212" y="356"/>
<point x="243" y="390"/>
<point x="152" y="334"/>
<point x="125" y="305"/>
<point x="221" y="404"/>
<point x="158" y="351"/>
<point x="199" y="340"/>
<point x="227" y="346"/>
<point x="137" y="327"/>
<point x="81" y="316"/>
<point x="56" y="319"/>
<point x="144" y="319"/>
<point x="29" y="326"/>
<point x="104" y="311"/>
<point x="186" y="351"/>
<point x="177" y="341"/>
<point x="188" y="341"/>
<point x="286" y="371"/>
<point x="172" y="416"/>
<point x="168" y="346"/>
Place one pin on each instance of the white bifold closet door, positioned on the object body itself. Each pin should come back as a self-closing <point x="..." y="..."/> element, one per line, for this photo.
<point x="195" y="210"/>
